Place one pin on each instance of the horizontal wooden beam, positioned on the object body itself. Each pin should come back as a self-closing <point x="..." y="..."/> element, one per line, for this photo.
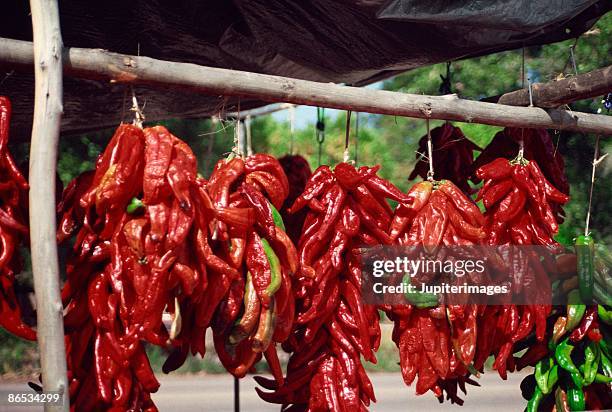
<point x="260" y="111"/>
<point x="104" y="65"/>
<point x="560" y="92"/>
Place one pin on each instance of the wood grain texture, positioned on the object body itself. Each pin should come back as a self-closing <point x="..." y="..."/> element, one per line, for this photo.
<point x="47" y="59"/>
<point x="560" y="92"/>
<point x="117" y="68"/>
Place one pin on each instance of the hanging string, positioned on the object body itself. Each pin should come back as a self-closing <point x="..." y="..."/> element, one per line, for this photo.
<point x="596" y="161"/>
<point x="530" y="92"/>
<point x="291" y="128"/>
<point x="139" y="117"/>
<point x="573" y="58"/>
<point x="320" y="130"/>
<point x="521" y="151"/>
<point x="345" y="156"/>
<point x="247" y="124"/>
<point x="236" y="152"/>
<point x="430" y="173"/>
<point x="238" y="149"/>
<point x="570" y="59"/>
<point x="558" y="135"/>
<point x="356" y="156"/>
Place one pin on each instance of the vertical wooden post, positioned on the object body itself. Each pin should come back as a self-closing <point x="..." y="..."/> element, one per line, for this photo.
<point x="43" y="162"/>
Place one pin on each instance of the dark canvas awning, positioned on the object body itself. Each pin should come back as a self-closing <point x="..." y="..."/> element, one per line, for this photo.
<point x="353" y="42"/>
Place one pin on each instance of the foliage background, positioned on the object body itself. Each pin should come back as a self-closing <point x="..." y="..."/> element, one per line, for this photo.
<point x="385" y="140"/>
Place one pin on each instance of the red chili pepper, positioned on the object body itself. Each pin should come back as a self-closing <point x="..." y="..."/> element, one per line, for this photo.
<point x="510" y="206"/>
<point x="550" y="191"/>
<point x="318" y="183"/>
<point x="270" y="185"/>
<point x="589" y="320"/>
<point x="464" y="205"/>
<point x="264" y="162"/>
<point x="384" y="189"/>
<point x="262" y="209"/>
<point x="497" y="169"/>
<point x="259" y="267"/>
<point x="496" y="192"/>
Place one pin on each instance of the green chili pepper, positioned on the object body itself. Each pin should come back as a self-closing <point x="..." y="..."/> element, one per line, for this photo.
<point x="585" y="251"/>
<point x="592" y="356"/>
<point x="606" y="364"/>
<point x="561" y="400"/>
<point x="577" y="379"/>
<point x="563" y="354"/>
<point x="601" y="295"/>
<point x="276" y="216"/>
<point x="275" y="269"/>
<point x="134" y="206"/>
<point x="575" y="311"/>
<point x="419" y="299"/>
<point x="540" y="377"/>
<point x="534" y="402"/>
<point x="575" y="399"/>
<point x="606" y="343"/>
<point x="599" y="378"/>
<point x="604" y="315"/>
<point x="542" y="370"/>
<point x="602" y="273"/>
<point x="553" y="378"/>
<point x="604" y="253"/>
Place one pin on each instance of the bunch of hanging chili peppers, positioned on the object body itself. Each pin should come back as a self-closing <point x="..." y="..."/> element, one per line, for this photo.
<point x="453" y="156"/>
<point x="133" y="256"/>
<point x="334" y="328"/>
<point x="13" y="230"/>
<point x="518" y="200"/>
<point x="538" y="146"/>
<point x="152" y="236"/>
<point x="255" y="309"/>
<point x="437" y="343"/>
<point x="573" y="372"/>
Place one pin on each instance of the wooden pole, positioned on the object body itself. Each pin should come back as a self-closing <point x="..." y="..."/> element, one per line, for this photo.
<point x="100" y="64"/>
<point x="564" y="91"/>
<point x="104" y="65"/>
<point x="260" y="111"/>
<point x="47" y="59"/>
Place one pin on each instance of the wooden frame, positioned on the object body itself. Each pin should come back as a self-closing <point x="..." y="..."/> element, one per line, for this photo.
<point x="103" y="65"/>
<point x="43" y="162"/>
<point x="564" y="91"/>
<point x="50" y="60"/>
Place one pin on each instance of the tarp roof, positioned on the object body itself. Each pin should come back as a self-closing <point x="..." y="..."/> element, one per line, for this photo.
<point x="342" y="41"/>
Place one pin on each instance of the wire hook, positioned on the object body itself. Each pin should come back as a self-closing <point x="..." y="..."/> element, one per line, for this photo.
<point x="430" y="173"/>
<point x="247" y="126"/>
<point x="346" y="156"/>
<point x="596" y="161"/>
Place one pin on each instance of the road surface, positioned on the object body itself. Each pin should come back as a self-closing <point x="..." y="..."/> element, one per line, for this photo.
<point x="197" y="393"/>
